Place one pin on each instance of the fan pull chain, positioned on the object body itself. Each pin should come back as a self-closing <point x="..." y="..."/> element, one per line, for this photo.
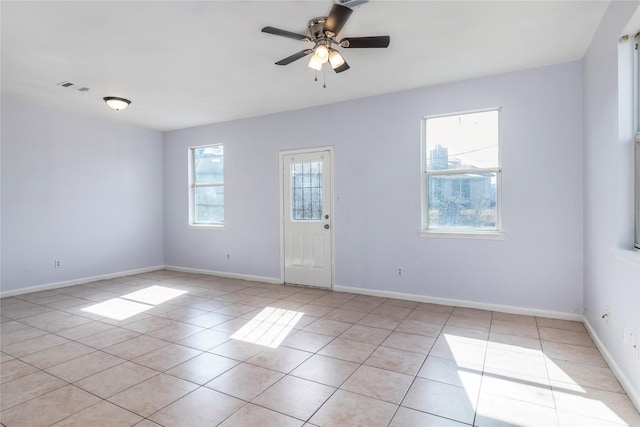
<point x="324" y="78"/>
<point x="315" y="79"/>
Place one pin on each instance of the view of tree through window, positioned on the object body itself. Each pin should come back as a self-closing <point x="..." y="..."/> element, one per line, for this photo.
<point x="208" y="184"/>
<point x="462" y="171"/>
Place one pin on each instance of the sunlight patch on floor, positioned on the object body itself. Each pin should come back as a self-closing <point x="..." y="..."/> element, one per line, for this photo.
<point x="134" y="303"/>
<point x="154" y="295"/>
<point x="269" y="327"/>
<point x="508" y="390"/>
<point x="117" y="308"/>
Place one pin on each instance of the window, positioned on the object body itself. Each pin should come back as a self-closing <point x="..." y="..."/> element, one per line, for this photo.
<point x="462" y="173"/>
<point x="636" y="103"/>
<point x="306" y="191"/>
<point x="207" y="185"/>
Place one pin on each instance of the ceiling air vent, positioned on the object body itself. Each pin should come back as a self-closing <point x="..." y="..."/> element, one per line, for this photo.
<point x="69" y="84"/>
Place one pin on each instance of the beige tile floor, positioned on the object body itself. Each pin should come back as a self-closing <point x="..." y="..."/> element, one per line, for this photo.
<point x="177" y="349"/>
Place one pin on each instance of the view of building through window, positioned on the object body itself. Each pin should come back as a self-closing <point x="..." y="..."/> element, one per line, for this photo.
<point x="462" y="171"/>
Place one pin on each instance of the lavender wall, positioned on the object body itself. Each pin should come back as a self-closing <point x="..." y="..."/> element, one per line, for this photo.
<point x="377" y="193"/>
<point x="611" y="279"/>
<point x="82" y="190"/>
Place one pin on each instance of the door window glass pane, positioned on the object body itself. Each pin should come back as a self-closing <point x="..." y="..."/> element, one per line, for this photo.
<point x="306" y="191"/>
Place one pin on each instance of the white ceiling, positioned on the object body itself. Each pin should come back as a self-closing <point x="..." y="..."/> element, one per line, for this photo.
<point x="186" y="63"/>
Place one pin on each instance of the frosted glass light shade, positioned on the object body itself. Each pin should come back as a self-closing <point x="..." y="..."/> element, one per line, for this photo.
<point x="315" y="62"/>
<point x="335" y="59"/>
<point x="323" y="53"/>
<point x="116" y="103"/>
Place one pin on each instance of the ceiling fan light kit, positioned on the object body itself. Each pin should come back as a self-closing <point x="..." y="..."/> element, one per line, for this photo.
<point x="322" y="33"/>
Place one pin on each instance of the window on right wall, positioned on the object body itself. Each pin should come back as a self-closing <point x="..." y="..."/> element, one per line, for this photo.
<point x="636" y="103"/>
<point x="461" y="173"/>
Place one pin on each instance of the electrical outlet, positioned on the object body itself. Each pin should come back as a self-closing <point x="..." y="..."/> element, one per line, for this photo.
<point x="399" y="272"/>
<point x="57" y="264"/>
<point x="607" y="315"/>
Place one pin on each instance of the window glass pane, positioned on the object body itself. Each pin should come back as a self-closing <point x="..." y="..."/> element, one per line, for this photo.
<point x="306" y="191"/>
<point x="315" y="174"/>
<point x="316" y="203"/>
<point x="636" y="243"/>
<point x="208" y="165"/>
<point x="462" y="201"/>
<point x="297" y="208"/>
<point x="209" y="205"/>
<point x="306" y="197"/>
<point x="463" y="141"/>
<point x="636" y="83"/>
<point x="636" y="63"/>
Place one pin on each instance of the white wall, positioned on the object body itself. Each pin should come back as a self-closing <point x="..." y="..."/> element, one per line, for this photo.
<point x="82" y="190"/>
<point x="377" y="180"/>
<point x="610" y="278"/>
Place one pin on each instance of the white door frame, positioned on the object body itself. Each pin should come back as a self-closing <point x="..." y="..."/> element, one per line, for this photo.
<point x="284" y="153"/>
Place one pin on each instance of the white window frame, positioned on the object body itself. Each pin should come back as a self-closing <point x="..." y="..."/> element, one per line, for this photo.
<point x="192" y="191"/>
<point x="464" y="233"/>
<point x="636" y="127"/>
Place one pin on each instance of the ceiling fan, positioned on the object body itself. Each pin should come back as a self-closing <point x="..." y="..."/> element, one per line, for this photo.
<point x="322" y="33"/>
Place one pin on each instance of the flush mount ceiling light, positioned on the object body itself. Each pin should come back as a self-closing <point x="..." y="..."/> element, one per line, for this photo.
<point x="116" y="103"/>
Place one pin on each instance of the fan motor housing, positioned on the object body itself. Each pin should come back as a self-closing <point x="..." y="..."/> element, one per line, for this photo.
<point x="316" y="29"/>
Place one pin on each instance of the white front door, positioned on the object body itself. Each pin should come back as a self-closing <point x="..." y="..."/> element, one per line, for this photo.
<point x="307" y="218"/>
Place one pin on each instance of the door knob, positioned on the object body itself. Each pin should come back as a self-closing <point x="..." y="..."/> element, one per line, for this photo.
<point x="326" y="226"/>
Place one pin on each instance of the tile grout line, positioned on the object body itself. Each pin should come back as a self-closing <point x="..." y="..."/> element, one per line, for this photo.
<point x="238" y="290"/>
<point x="546" y="366"/>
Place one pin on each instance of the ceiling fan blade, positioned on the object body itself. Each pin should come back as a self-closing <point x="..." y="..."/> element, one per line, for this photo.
<point x="284" y="33"/>
<point x="343" y="67"/>
<point x="294" y="57"/>
<point x="365" y="42"/>
<point x="336" y="19"/>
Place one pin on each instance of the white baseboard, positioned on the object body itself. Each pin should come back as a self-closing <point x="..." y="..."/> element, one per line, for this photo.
<point x="278" y="281"/>
<point x="248" y="277"/>
<point x="624" y="381"/>
<point x="83" y="280"/>
<point x="463" y="303"/>
<point x="80" y="281"/>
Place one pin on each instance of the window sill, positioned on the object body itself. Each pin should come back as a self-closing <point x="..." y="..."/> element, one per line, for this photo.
<point x="206" y="226"/>
<point x="486" y="235"/>
<point x="630" y="256"/>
